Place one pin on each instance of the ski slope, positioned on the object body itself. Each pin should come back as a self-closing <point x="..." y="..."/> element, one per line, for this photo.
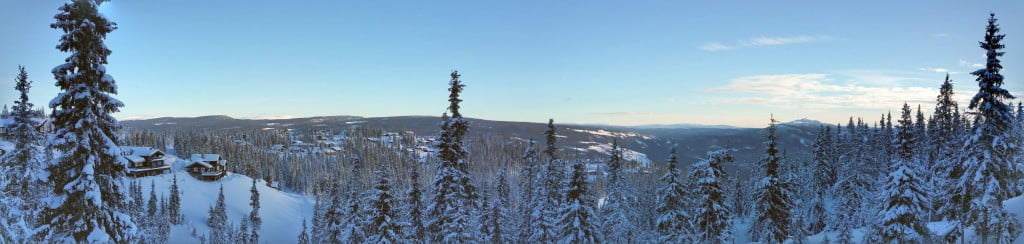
<point x="282" y="212"/>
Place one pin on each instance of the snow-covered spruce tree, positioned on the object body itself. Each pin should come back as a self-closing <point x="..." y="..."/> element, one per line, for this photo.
<point x="944" y="146"/>
<point x="528" y="180"/>
<point x="493" y="219"/>
<point x="904" y="199"/>
<point x="174" y="203"/>
<point x="577" y="220"/>
<point x="242" y="234"/>
<point x="304" y="235"/>
<point x="21" y="175"/>
<point x="350" y="229"/>
<point x="617" y="211"/>
<point x="489" y="220"/>
<point x="825" y="177"/>
<point x="824" y="165"/>
<point x="711" y="216"/>
<point x="497" y="212"/>
<point x="382" y="222"/>
<point x="89" y="199"/>
<point x="673" y="222"/>
<point x="151" y="206"/>
<point x="415" y="231"/>
<point x="220" y="229"/>
<point x="454" y="195"/>
<point x="988" y="172"/>
<point x="546" y="195"/>
<point x="330" y="225"/>
<point x="254" y="215"/>
<point x="772" y="198"/>
<point x="740" y="199"/>
<point x="502" y="188"/>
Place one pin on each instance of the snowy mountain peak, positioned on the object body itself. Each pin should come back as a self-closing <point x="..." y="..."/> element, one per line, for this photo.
<point x="804" y="121"/>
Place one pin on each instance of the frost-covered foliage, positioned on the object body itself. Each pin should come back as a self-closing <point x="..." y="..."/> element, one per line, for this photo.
<point x="943" y="132"/>
<point x="617" y="212"/>
<point x="546" y="194"/>
<point x="89" y="200"/>
<point x="454" y="195"/>
<point x="304" y="235"/>
<point x="495" y="213"/>
<point x="254" y="215"/>
<point x="711" y="216"/>
<point x="578" y="223"/>
<point x="673" y="221"/>
<point x="990" y="167"/>
<point x="174" y="204"/>
<point x="415" y="230"/>
<point x="22" y="179"/>
<point x="220" y="228"/>
<point x="381" y="212"/>
<point x="529" y="180"/>
<point x="904" y="198"/>
<point x="773" y="198"/>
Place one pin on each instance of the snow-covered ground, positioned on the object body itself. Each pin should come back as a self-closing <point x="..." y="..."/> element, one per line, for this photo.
<point x="606" y="148"/>
<point x="282" y="212"/>
<point x="1013" y="205"/>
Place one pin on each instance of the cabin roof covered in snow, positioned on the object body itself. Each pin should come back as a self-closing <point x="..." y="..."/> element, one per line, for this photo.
<point x="205" y="160"/>
<point x="139" y="151"/>
<point x="136" y="154"/>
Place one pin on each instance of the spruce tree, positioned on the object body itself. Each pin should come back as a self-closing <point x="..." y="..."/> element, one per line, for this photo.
<point x="772" y="197"/>
<point x="577" y="220"/>
<point x="254" y="215"/>
<point x="454" y="195"/>
<point x="673" y="222"/>
<point x="415" y="230"/>
<point x="988" y="172"/>
<point x="616" y="212"/>
<point x="87" y="175"/>
<point x="943" y="151"/>
<point x="152" y="207"/>
<point x="304" y="235"/>
<point x="20" y="169"/>
<point x="712" y="215"/>
<point x="174" y="205"/>
<point x="220" y="229"/>
<point x="904" y="200"/>
<point x="381" y="211"/>
<point x="529" y="180"/>
<point x="546" y="195"/>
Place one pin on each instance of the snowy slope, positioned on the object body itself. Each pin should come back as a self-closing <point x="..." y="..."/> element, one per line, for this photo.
<point x="1013" y="205"/>
<point x="282" y="212"/>
<point x="1016" y="206"/>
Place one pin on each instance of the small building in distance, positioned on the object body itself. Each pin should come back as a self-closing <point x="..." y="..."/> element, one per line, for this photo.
<point x="209" y="167"/>
<point x="144" y="161"/>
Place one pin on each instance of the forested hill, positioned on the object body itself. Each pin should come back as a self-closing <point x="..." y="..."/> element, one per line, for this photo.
<point x="650" y="142"/>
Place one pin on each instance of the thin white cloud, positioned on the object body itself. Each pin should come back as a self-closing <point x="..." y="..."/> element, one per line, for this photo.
<point x="939" y="70"/>
<point x="774" y="41"/>
<point x="715" y="47"/>
<point x="964" y="63"/>
<point x="820" y="91"/>
<point x="936" y="70"/>
<point x="764" y="41"/>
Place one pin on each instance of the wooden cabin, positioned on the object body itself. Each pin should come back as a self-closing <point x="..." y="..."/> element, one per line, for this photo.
<point x="144" y="161"/>
<point x="209" y="167"/>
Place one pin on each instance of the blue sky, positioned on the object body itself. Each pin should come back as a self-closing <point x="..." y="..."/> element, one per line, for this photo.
<point x="609" y="62"/>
